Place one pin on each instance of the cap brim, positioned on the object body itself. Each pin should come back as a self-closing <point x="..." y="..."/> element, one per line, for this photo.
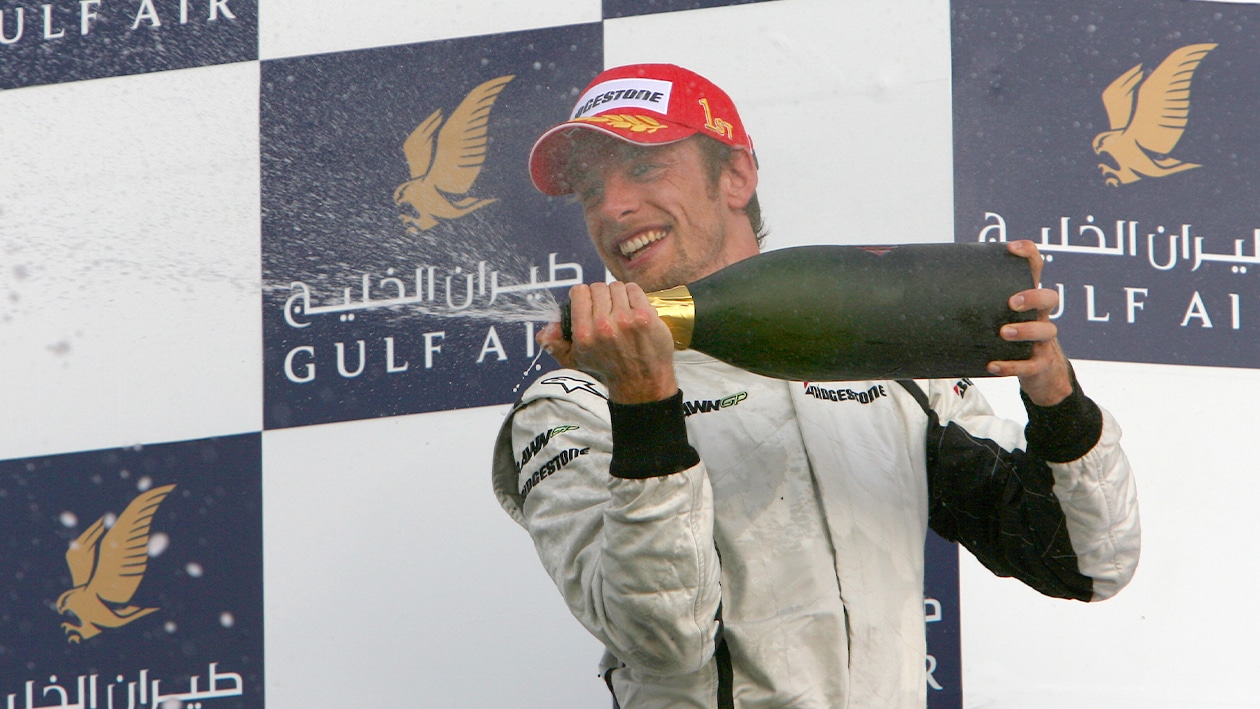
<point x="549" y="158"/>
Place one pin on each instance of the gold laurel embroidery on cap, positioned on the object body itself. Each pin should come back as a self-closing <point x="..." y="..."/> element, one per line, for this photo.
<point x="625" y="121"/>
<point x="437" y="176"/>
<point x="1148" y="116"/>
<point x="107" y="567"/>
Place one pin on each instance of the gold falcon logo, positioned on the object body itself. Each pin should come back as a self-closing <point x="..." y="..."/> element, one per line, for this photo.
<point x="454" y="166"/>
<point x="107" y="567"/>
<point x="1148" y="115"/>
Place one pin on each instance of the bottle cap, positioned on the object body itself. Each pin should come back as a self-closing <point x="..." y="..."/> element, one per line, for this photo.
<point x="647" y="104"/>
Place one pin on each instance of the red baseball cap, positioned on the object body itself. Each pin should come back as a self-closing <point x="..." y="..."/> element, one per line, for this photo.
<point x="648" y="104"/>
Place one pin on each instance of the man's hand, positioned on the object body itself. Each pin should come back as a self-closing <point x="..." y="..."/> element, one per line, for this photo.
<point x="618" y="338"/>
<point x="1044" y="377"/>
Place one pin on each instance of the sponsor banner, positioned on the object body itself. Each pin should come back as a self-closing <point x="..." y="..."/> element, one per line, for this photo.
<point x="1122" y="140"/>
<point x="56" y="42"/>
<point x="630" y="8"/>
<point x="407" y="257"/>
<point x="941" y="611"/>
<point x="134" y="577"/>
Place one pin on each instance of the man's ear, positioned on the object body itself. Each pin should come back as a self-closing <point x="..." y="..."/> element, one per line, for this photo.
<point x="739" y="179"/>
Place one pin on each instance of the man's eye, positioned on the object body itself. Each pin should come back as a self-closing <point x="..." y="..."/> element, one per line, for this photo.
<point x="643" y="169"/>
<point x="590" y="195"/>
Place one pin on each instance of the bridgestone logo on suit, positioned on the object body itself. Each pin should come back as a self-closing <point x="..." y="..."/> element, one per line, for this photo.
<point x="552" y="466"/>
<point x="862" y="397"/>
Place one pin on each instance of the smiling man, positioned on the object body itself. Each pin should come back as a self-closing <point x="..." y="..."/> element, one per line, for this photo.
<point x="768" y="552"/>
<point x="655" y="214"/>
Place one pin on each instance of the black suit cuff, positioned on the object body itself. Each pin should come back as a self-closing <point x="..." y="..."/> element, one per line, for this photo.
<point x="650" y="440"/>
<point x="1066" y="431"/>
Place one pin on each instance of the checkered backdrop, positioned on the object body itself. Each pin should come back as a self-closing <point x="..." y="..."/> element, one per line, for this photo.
<point x="214" y="277"/>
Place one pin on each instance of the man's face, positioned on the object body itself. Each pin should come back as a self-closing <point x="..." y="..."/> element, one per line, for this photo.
<point x="653" y="213"/>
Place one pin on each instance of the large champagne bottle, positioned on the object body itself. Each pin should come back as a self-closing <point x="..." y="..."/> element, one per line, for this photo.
<point x="825" y="313"/>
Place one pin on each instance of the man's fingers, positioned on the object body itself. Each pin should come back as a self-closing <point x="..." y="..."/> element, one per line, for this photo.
<point x="551" y="337"/>
<point x="1028" y="250"/>
<point x="1016" y="368"/>
<point x="1043" y="299"/>
<point x="640" y="306"/>
<point x="1031" y="331"/>
<point x="552" y="341"/>
<point x="580" y="312"/>
<point x="635" y="296"/>
<point x="603" y="310"/>
<point x="619" y="304"/>
<point x="627" y="347"/>
<point x="601" y="300"/>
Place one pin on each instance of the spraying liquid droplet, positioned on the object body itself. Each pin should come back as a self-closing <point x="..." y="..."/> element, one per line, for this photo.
<point x="533" y="367"/>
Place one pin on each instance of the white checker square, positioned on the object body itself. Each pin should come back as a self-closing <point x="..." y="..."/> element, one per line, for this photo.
<point x="130" y="261"/>
<point x="393" y="576"/>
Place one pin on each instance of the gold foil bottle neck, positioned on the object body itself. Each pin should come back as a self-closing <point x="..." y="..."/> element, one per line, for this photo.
<point x="678" y="310"/>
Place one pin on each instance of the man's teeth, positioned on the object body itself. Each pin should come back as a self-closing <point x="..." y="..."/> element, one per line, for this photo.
<point x="630" y="246"/>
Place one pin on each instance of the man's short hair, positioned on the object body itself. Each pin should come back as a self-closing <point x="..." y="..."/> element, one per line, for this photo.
<point x="717" y="155"/>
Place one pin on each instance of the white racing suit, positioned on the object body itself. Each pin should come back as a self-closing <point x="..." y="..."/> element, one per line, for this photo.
<point x="786" y="569"/>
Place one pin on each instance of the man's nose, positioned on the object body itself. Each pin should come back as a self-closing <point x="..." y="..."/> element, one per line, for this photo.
<point x="620" y="198"/>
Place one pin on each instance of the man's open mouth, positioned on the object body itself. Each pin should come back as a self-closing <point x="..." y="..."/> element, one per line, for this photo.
<point x="632" y="246"/>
